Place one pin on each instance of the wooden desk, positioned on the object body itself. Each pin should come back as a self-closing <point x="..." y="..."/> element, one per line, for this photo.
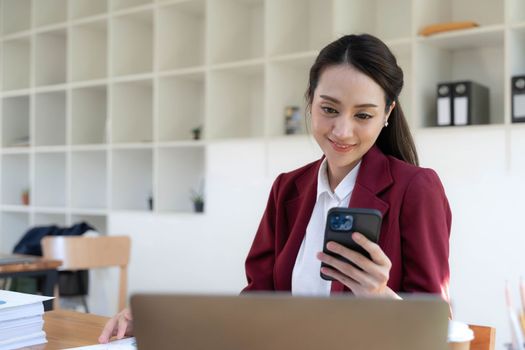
<point x="68" y="329"/>
<point x="36" y="267"/>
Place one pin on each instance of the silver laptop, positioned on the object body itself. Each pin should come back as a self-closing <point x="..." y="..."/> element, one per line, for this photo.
<point x="278" y="322"/>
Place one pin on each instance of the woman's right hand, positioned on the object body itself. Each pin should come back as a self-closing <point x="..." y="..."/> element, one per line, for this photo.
<point x="120" y="325"/>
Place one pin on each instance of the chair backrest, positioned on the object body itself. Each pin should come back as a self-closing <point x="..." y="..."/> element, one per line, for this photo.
<point x="79" y="253"/>
<point x="484" y="338"/>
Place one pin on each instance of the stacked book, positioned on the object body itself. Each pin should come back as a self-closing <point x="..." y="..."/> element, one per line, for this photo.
<point x="21" y="321"/>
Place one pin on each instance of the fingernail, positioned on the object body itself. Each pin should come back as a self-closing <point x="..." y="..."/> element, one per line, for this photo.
<point x="356" y="236"/>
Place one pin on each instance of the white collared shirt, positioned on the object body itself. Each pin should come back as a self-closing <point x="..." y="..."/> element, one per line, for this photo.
<point x="306" y="279"/>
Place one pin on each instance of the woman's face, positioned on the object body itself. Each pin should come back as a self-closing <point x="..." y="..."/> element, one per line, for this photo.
<point x="348" y="113"/>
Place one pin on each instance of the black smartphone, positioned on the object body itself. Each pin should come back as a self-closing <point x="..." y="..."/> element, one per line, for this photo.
<point x="342" y="222"/>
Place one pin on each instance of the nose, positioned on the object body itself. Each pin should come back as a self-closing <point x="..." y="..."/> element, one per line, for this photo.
<point x="343" y="127"/>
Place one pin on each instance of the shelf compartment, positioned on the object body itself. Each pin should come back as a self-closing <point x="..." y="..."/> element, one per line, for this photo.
<point x="132" y="112"/>
<point x="516" y="10"/>
<point x="287" y="83"/>
<point x="15" y="178"/>
<point x="298" y="25"/>
<point x="87" y="8"/>
<point x="51" y="58"/>
<point x="132" y="179"/>
<point x="132" y="49"/>
<point x="89" y="179"/>
<point x="50" y="180"/>
<point x="16" y="16"/>
<point x="50" y="118"/>
<point x="16" y="64"/>
<point x="377" y="17"/>
<point x="46" y="12"/>
<point x="181" y="36"/>
<point x="468" y="38"/>
<point x="181" y="106"/>
<point x="89" y="115"/>
<point x="439" y="64"/>
<point x="89" y="51"/>
<point x="124" y="4"/>
<point x="235" y="30"/>
<point x="437" y="11"/>
<point x="47" y="219"/>
<point x="517" y="51"/>
<point x="15" y="121"/>
<point x="14" y="226"/>
<point x="235" y="103"/>
<point x="180" y="171"/>
<point x="98" y="222"/>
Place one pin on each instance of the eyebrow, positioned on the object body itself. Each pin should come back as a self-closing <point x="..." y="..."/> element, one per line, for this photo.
<point x="363" y="105"/>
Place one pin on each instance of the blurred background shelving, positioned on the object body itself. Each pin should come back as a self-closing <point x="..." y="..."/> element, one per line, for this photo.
<point x="101" y="98"/>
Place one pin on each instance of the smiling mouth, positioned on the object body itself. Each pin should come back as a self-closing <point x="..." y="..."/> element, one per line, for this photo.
<point x="341" y="147"/>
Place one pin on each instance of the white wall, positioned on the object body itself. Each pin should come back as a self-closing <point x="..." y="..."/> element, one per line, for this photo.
<point x="188" y="253"/>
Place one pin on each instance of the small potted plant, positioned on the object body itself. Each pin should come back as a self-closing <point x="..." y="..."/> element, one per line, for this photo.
<point x="198" y="202"/>
<point x="196" y="132"/>
<point x="197" y="197"/>
<point x="25" y="196"/>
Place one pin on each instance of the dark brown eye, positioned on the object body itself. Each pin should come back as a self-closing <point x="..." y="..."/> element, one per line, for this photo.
<point x="363" y="116"/>
<point x="328" y="110"/>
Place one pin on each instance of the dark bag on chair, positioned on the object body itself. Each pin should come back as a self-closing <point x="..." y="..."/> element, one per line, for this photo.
<point x="70" y="283"/>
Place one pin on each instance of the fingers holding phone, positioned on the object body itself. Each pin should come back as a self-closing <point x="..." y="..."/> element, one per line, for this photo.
<point x="351" y="254"/>
<point x="364" y="276"/>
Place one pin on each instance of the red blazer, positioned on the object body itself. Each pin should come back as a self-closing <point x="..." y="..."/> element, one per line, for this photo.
<point x="414" y="234"/>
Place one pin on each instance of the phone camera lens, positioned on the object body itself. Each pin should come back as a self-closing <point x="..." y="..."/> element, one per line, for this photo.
<point x="341" y="222"/>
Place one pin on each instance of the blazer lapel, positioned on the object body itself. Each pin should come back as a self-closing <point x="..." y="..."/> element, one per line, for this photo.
<point x="298" y="211"/>
<point x="374" y="177"/>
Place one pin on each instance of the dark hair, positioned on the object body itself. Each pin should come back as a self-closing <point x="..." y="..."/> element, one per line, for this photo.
<point x="371" y="56"/>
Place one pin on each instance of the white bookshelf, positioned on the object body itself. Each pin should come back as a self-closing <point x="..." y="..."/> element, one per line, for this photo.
<point x="50" y="118"/>
<point x="181" y="51"/>
<point x="181" y="171"/>
<point x="132" y="181"/>
<point x="14" y="225"/>
<point x="88" y="51"/>
<point x="180" y="106"/>
<point x="50" y="180"/>
<point x="48" y="12"/>
<point x="236" y="97"/>
<point x="50" y="59"/>
<point x="132" y="42"/>
<point x="79" y="9"/>
<point x="16" y="16"/>
<point x="99" y="97"/>
<point x="15" y="178"/>
<point x="89" y="115"/>
<point x="132" y="111"/>
<point x="15" y="121"/>
<point x="89" y="180"/>
<point x="16" y="65"/>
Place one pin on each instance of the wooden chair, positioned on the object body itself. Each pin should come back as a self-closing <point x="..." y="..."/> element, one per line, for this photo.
<point x="484" y="338"/>
<point x="82" y="253"/>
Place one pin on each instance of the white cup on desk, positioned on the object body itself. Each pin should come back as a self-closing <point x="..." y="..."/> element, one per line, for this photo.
<point x="459" y="335"/>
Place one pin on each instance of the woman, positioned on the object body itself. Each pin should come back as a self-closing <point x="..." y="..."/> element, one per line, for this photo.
<point x="369" y="161"/>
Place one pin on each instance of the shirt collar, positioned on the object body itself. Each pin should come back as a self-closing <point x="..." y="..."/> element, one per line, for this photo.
<point x="344" y="188"/>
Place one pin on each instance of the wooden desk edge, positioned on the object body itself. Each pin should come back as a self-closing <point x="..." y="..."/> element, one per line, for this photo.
<point x="68" y="329"/>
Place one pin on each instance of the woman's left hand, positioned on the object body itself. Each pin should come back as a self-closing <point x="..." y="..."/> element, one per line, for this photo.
<point x="371" y="280"/>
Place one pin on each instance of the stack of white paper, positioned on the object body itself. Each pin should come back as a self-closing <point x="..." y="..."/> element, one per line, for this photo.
<point x="21" y="322"/>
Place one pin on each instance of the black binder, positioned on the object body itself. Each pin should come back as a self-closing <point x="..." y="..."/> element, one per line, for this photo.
<point x="462" y="103"/>
<point x="518" y="99"/>
<point x="444" y="104"/>
<point x="470" y="103"/>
